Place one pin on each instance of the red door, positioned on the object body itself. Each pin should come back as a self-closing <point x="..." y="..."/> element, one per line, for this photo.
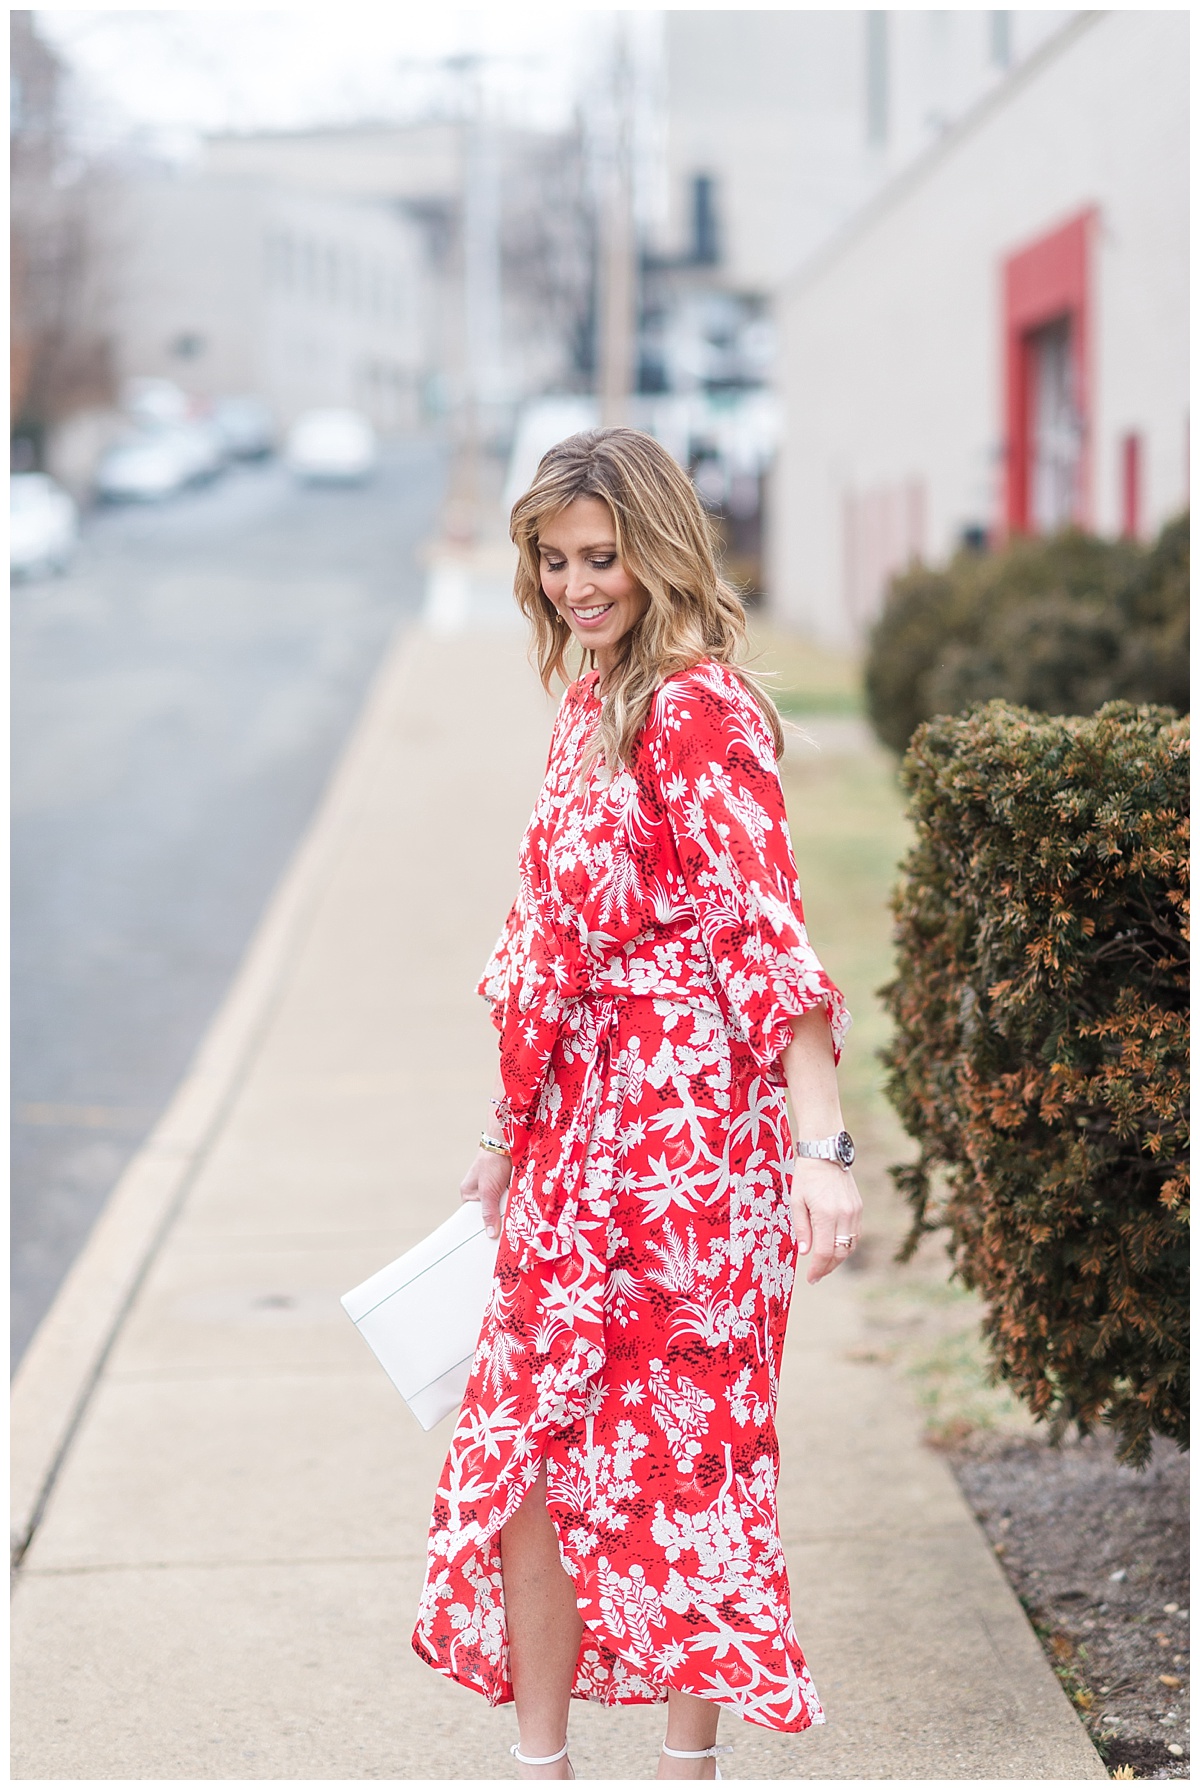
<point x="1047" y="381"/>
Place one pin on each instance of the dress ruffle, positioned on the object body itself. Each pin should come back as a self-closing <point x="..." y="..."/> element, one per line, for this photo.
<point x="641" y="1371"/>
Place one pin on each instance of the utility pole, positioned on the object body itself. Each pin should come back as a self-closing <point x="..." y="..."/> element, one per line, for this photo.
<point x="481" y="293"/>
<point x="481" y="265"/>
<point x="618" y="267"/>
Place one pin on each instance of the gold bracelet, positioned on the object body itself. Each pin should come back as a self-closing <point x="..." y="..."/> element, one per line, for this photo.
<point x="493" y="1144"/>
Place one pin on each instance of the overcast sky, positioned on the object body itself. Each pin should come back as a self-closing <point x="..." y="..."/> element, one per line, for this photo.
<point x="175" y="73"/>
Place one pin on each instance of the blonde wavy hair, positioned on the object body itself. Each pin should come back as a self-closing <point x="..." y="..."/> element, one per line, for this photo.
<point x="665" y="541"/>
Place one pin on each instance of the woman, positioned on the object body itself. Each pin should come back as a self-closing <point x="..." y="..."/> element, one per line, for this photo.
<point x="606" y="1523"/>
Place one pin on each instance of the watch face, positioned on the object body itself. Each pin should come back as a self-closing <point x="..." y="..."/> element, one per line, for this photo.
<point x="845" y="1148"/>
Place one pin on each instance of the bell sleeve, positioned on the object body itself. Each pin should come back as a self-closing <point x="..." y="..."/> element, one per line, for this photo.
<point x="498" y="975"/>
<point x="714" y="763"/>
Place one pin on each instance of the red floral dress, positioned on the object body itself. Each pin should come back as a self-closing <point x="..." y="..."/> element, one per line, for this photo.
<point x="644" y="986"/>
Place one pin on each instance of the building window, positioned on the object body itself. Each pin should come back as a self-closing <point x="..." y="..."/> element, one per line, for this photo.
<point x="1131" y="486"/>
<point x="1000" y="38"/>
<point x="705" y="251"/>
<point x="1046" y="356"/>
<point x="877" y="78"/>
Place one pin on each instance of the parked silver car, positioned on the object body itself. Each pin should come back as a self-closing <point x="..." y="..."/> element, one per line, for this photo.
<point x="154" y="462"/>
<point x="245" y="425"/>
<point x="43" y="525"/>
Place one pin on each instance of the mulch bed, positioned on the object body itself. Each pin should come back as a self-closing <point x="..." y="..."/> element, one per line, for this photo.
<point x="1098" y="1555"/>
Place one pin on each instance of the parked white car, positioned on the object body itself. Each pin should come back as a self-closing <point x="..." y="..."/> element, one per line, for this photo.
<point x="152" y="463"/>
<point x="331" y="447"/>
<point x="43" y="525"/>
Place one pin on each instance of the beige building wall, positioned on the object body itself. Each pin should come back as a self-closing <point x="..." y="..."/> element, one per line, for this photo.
<point x="891" y="362"/>
<point x="526" y="238"/>
<point x="232" y="284"/>
<point x="186" y="292"/>
<point x="800" y="115"/>
<point x="768" y="105"/>
<point x="421" y="162"/>
<point x="346" y="308"/>
<point x="415" y="170"/>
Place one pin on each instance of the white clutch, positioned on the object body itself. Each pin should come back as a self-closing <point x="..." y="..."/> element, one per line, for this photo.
<point x="422" y="1314"/>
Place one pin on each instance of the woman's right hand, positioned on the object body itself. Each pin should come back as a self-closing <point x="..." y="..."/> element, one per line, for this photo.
<point x="487" y="1181"/>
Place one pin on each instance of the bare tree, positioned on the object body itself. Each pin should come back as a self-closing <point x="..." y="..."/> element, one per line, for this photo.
<point x="61" y="359"/>
<point x="548" y="256"/>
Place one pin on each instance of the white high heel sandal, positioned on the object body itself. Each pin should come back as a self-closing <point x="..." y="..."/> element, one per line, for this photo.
<point x="708" y="1752"/>
<point x="550" y="1759"/>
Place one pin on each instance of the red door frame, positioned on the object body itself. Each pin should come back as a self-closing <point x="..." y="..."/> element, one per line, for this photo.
<point x="1131" y="486"/>
<point x="1047" y="280"/>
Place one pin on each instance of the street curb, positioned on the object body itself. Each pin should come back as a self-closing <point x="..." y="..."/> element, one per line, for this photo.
<point x="53" y="1386"/>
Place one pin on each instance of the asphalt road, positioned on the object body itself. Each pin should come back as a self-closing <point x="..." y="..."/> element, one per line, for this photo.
<point x="179" y="699"/>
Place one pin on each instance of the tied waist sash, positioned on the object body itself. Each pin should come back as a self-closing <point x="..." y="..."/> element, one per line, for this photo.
<point x="578" y="1152"/>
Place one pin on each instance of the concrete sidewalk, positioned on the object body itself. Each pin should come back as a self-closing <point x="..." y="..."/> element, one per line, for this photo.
<point x="227" y="1501"/>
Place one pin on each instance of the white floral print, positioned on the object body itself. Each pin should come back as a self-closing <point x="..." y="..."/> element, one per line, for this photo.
<point x="644" y="987"/>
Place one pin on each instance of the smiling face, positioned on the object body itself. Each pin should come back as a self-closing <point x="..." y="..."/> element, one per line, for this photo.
<point x="584" y="578"/>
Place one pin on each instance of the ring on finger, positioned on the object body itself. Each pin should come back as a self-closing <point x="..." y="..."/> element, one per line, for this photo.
<point x="845" y="1242"/>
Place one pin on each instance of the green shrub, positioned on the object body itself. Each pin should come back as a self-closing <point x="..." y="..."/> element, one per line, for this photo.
<point x="1155" y="611"/>
<point x="1059" y="625"/>
<point x="1039" y="1055"/>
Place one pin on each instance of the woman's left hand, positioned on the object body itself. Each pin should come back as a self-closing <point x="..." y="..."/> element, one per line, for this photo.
<point x="826" y="1204"/>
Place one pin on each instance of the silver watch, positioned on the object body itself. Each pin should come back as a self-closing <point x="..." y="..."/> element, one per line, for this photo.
<point x="839" y="1149"/>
